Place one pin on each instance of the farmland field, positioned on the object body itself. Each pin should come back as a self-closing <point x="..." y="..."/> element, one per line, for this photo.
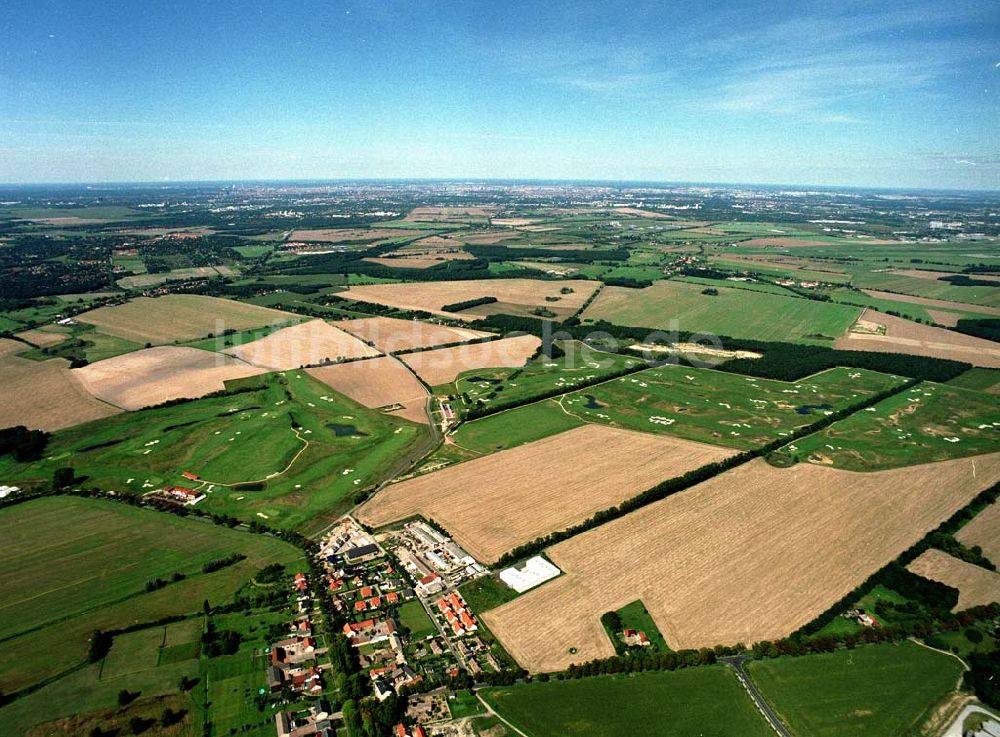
<point x="377" y="382"/>
<point x="338" y="449"/>
<point x="515" y="296"/>
<point x="976" y="585"/>
<point x="738" y="313"/>
<point x="876" y="331"/>
<point x="92" y="571"/>
<point x="44" y="395"/>
<point x="390" y="334"/>
<point x="442" y="365"/>
<point x="872" y="691"/>
<point x="928" y="422"/>
<point x="305" y="344"/>
<point x="697" y="701"/>
<point x="156" y="375"/>
<point x="180" y="317"/>
<point x="980" y="379"/>
<point x="493" y="504"/>
<point x="984" y="530"/>
<point x="748" y="555"/>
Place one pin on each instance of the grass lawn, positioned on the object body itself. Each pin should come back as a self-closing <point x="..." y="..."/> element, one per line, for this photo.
<point x="871" y="691"/>
<point x="980" y="379"/>
<point x="739" y="313"/>
<point x="500" y="386"/>
<point x="413" y="617"/>
<point x="705" y="405"/>
<point x="706" y="701"/>
<point x="515" y="427"/>
<point x="486" y="593"/>
<point x="236" y="439"/>
<point x="92" y="571"/>
<point x="930" y="422"/>
<point x="634" y="616"/>
<point x="464" y="704"/>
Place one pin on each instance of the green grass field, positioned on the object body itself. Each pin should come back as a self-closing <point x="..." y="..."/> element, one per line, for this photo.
<point x="486" y="593"/>
<point x="634" y="616"/>
<point x="706" y="701"/>
<point x="414" y="618"/>
<point x="979" y="379"/>
<point x="871" y="691"/>
<point x="499" y="386"/>
<point x="696" y="404"/>
<point x="931" y="288"/>
<point x="738" y="313"/>
<point x="930" y="422"/>
<point x="92" y="570"/>
<point x="236" y="439"/>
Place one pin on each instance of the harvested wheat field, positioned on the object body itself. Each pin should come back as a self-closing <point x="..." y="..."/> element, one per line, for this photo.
<point x="976" y="586"/>
<point x="426" y="261"/>
<point x="180" y="317"/>
<point x="779" y="242"/>
<point x="377" y="382"/>
<point x="928" y="302"/>
<point x="984" y="531"/>
<point x="903" y="336"/>
<point x="305" y="344"/>
<point x="446" y="214"/>
<point x="479" y="238"/>
<point x="42" y="338"/>
<point x="43" y="395"/>
<point x="432" y="296"/>
<point x="390" y="334"/>
<point x="495" y="503"/>
<point x="339" y="235"/>
<point x="442" y="365"/>
<point x="749" y="555"/>
<point x="156" y="375"/>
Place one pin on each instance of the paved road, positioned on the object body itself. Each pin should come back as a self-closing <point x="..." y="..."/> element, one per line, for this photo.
<point x="736" y="661"/>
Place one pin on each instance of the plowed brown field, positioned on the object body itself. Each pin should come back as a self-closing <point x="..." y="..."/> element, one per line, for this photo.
<point x="495" y="503"/>
<point x="377" y="382"/>
<point x="749" y="555"/>
<point x="390" y="334"/>
<point x="904" y="336"/>
<point x="432" y="296"/>
<point x="302" y="345"/>
<point x="180" y="317"/>
<point x="976" y="586"/>
<point x="156" y="375"/>
<point x="442" y="365"/>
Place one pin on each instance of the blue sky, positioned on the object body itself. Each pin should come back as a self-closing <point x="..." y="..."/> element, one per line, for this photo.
<point x="869" y="94"/>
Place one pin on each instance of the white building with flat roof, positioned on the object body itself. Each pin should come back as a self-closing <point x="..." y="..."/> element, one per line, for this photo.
<point x="535" y="571"/>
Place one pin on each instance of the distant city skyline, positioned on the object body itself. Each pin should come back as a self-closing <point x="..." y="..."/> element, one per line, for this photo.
<point x="887" y="95"/>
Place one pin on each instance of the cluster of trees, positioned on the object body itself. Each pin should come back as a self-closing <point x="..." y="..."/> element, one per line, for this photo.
<point x="982" y="327"/>
<point x="643" y="659"/>
<point x="219" y="563"/>
<point x="23" y="444"/>
<point x="215" y="642"/>
<point x="520" y="253"/>
<point x="469" y="303"/>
